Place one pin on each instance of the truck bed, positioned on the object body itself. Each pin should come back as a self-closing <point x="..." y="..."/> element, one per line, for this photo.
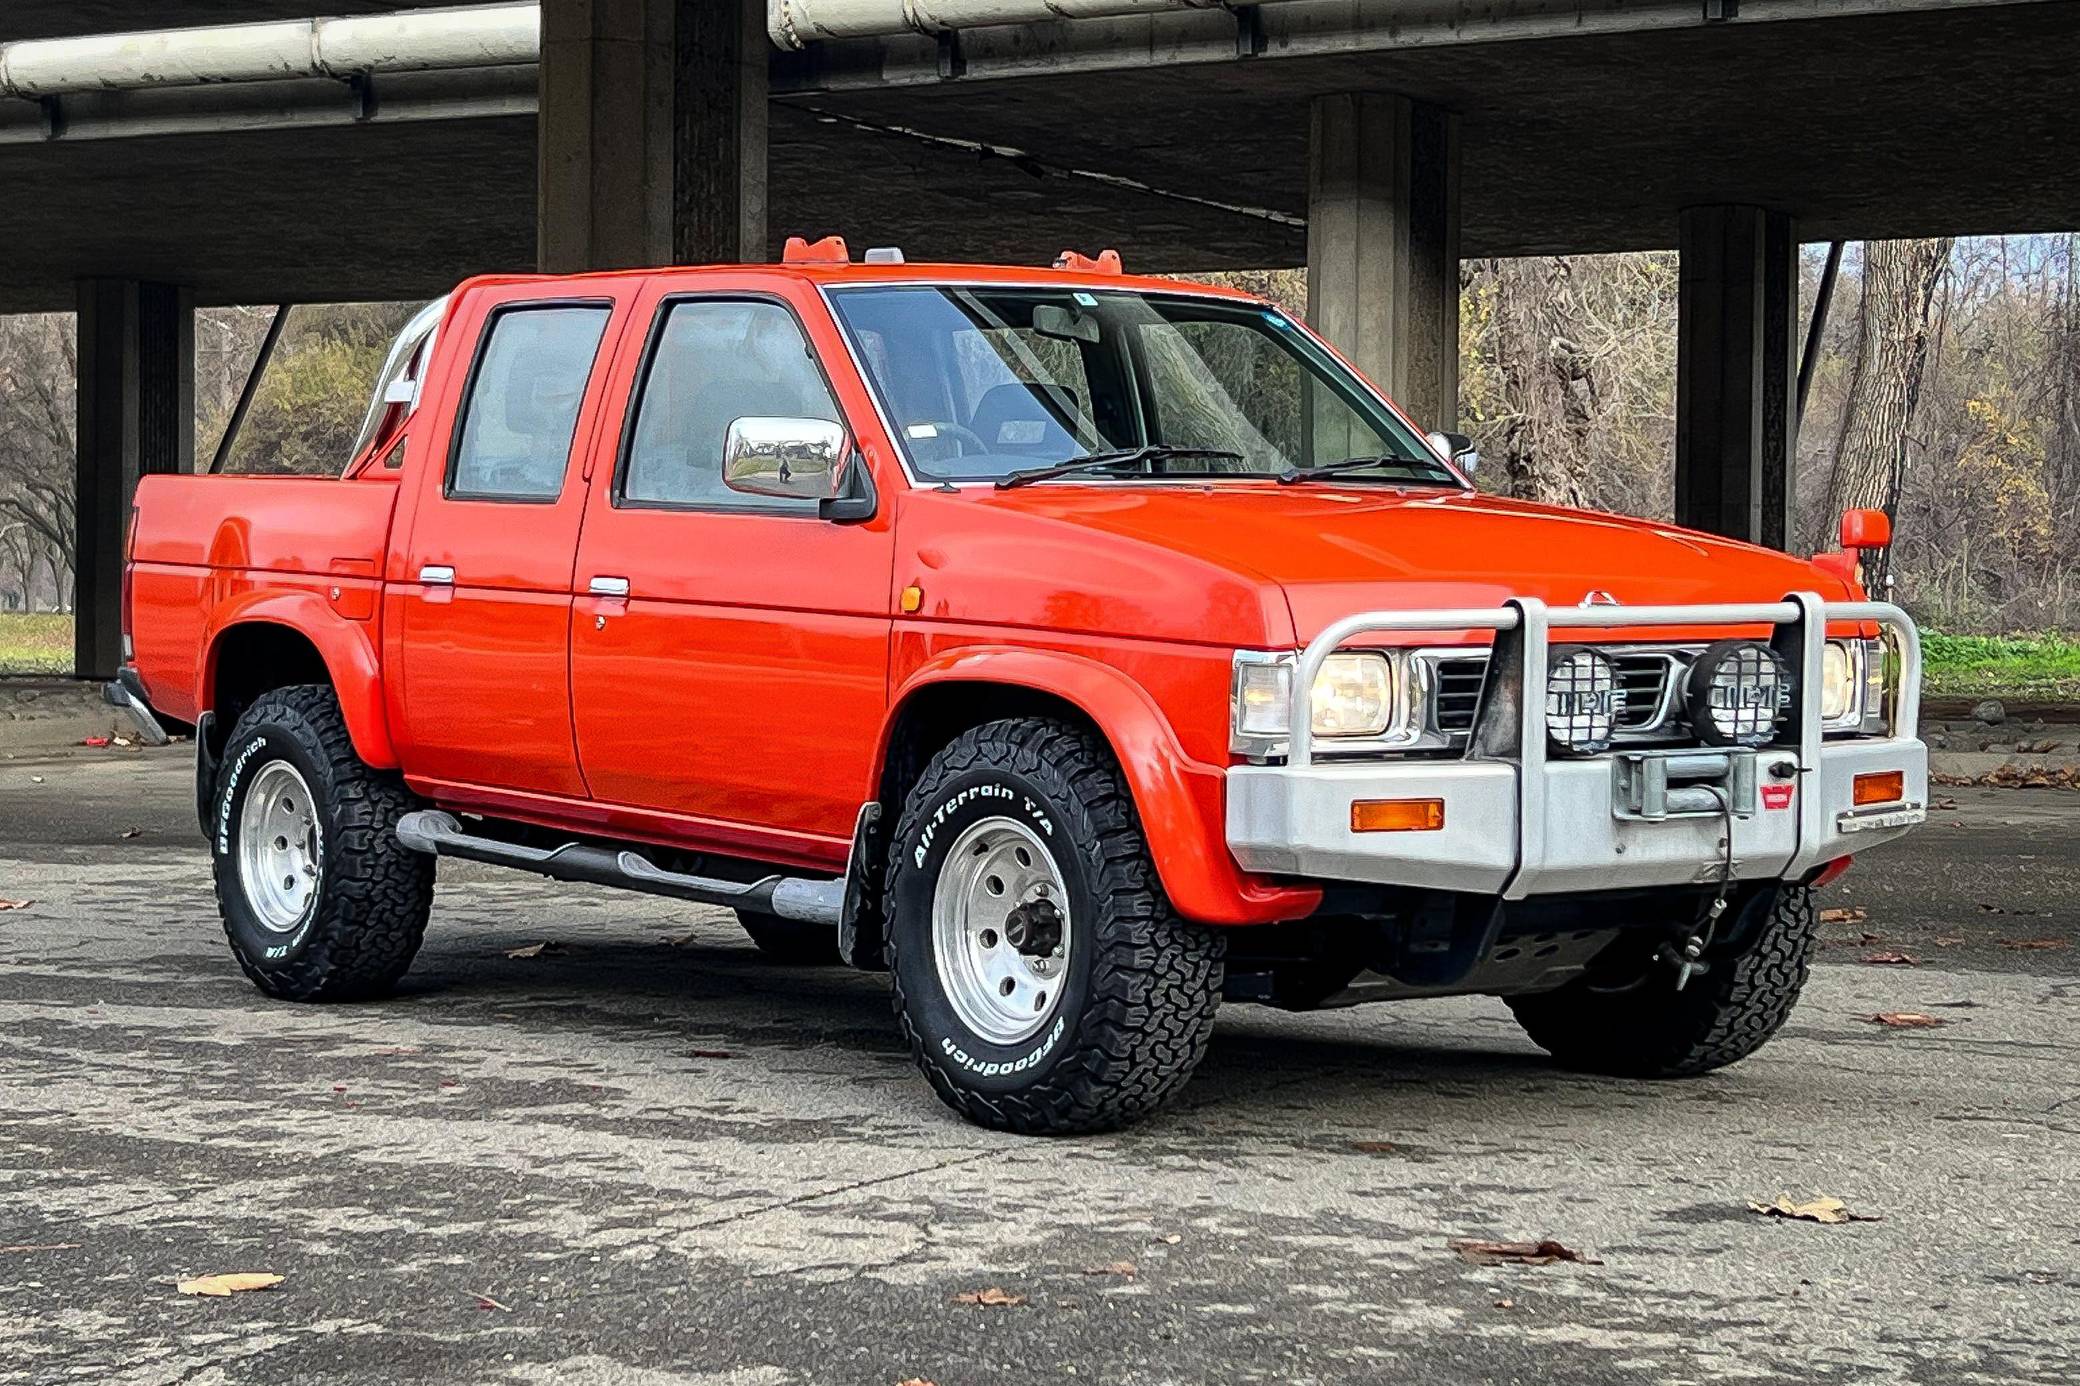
<point x="198" y="543"/>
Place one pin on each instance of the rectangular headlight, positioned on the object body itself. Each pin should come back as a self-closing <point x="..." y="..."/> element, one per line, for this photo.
<point x="1853" y="686"/>
<point x="1358" y="695"/>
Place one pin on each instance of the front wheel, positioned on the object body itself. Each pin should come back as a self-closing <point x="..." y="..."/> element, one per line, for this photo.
<point x="1042" y="978"/>
<point x="320" y="900"/>
<point x="1652" y="1030"/>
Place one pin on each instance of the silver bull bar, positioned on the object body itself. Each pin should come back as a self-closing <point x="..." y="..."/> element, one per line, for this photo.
<point x="1282" y="818"/>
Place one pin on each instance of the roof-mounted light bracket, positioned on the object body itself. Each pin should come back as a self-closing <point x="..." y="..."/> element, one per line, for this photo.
<point x="1108" y="262"/>
<point x="831" y="250"/>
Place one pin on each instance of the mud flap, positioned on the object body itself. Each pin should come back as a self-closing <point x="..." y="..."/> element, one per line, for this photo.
<point x="863" y="928"/>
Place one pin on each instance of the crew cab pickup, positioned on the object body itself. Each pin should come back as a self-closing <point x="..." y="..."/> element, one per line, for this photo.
<point x="1081" y="649"/>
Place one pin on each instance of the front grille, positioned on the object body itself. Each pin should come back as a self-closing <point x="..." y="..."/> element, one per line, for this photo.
<point x="1642" y="680"/>
<point x="1458" y="694"/>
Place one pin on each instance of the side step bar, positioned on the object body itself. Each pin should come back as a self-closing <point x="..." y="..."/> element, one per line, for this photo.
<point x="790" y="897"/>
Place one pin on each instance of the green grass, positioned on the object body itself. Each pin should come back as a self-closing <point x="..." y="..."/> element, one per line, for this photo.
<point x="2001" y="666"/>
<point x="36" y="642"/>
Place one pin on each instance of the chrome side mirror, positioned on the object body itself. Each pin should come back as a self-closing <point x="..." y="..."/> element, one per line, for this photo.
<point x="789" y="459"/>
<point x="1459" y="448"/>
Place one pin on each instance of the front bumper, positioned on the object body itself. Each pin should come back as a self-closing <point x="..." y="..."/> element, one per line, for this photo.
<point x="1519" y="822"/>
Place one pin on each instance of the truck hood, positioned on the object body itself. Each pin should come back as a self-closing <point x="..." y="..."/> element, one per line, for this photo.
<point x="1334" y="550"/>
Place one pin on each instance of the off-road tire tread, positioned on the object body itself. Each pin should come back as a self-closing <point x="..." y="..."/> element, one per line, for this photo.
<point x="791" y="942"/>
<point x="1722" y="1017"/>
<point x="1155" y="977"/>
<point x="377" y="892"/>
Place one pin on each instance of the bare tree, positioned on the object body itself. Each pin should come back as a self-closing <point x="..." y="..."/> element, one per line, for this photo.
<point x="1900" y="279"/>
<point x="37" y="367"/>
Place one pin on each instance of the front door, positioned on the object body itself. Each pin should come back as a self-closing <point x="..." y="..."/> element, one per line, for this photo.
<point x="482" y="608"/>
<point x="729" y="652"/>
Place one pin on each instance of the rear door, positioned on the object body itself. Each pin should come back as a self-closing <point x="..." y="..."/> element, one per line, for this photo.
<point x="729" y="652"/>
<point x="482" y="598"/>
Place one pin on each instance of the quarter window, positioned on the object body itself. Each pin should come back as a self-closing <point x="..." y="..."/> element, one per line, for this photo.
<point x="522" y="412"/>
<point x="716" y="361"/>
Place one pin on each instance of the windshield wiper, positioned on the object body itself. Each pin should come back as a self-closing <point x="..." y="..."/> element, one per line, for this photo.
<point x="1359" y="464"/>
<point x="1117" y="457"/>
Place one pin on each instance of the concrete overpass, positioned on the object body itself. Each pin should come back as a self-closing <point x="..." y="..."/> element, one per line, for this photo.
<point x="1377" y="141"/>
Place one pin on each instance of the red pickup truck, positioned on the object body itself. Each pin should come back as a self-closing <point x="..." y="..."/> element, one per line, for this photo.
<point x="1082" y="649"/>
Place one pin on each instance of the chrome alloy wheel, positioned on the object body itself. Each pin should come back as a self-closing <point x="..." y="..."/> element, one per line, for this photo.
<point x="279" y="854"/>
<point x="1001" y="930"/>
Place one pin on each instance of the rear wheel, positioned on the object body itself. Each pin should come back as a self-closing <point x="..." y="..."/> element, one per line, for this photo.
<point x="791" y="942"/>
<point x="1652" y="1030"/>
<point x="320" y="901"/>
<point x="1042" y="978"/>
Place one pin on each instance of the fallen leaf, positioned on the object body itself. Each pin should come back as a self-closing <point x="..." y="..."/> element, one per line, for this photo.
<point x="485" y="1301"/>
<point x="1892" y="959"/>
<point x="1542" y="1253"/>
<point x="1126" y="1270"/>
<point x="1373" y="1147"/>
<point x="534" y="950"/>
<point x="994" y="1297"/>
<point x="2033" y="945"/>
<point x="1905" y="1020"/>
<point x="1827" y="1210"/>
<point x="1850" y="915"/>
<point x="6" y="905"/>
<point x="46" y="1246"/>
<point x="220" y="1285"/>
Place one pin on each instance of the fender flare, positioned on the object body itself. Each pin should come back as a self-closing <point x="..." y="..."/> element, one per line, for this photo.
<point x="1181" y="801"/>
<point x="347" y="647"/>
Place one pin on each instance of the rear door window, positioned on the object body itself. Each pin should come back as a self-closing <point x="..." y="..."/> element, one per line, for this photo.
<point x="521" y="413"/>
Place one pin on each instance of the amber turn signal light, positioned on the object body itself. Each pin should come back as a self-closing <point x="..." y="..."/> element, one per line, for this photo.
<point x="1397" y="815"/>
<point x="1887" y="788"/>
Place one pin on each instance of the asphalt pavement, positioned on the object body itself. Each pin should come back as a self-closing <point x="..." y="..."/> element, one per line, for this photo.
<point x="644" y="1157"/>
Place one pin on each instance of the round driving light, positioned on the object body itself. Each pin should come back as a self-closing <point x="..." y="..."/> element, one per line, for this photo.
<point x="1582" y="700"/>
<point x="1735" y="692"/>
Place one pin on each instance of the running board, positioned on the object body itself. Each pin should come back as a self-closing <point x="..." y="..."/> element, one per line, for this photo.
<point x="790" y="897"/>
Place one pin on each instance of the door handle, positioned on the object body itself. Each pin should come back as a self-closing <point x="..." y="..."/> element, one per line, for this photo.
<point x="608" y="587"/>
<point x="437" y="575"/>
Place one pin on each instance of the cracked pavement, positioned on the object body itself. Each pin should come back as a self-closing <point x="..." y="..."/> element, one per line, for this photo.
<point x="661" y="1161"/>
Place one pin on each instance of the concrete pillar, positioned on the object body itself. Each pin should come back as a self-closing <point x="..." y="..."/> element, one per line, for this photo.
<point x="1383" y="245"/>
<point x="652" y="133"/>
<point x="136" y="402"/>
<point x="1737" y="373"/>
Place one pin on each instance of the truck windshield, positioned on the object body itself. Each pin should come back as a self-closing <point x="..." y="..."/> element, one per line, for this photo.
<point x="986" y="383"/>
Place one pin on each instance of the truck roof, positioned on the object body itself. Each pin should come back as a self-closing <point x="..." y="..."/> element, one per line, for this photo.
<point x="833" y="273"/>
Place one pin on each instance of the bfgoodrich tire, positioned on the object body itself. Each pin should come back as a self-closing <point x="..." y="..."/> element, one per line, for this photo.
<point x="319" y="899"/>
<point x="1042" y="978"/>
<point x="1655" y="1031"/>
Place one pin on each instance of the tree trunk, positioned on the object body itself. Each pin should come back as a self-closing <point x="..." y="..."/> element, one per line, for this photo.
<point x="1870" y="453"/>
<point x="1546" y="378"/>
